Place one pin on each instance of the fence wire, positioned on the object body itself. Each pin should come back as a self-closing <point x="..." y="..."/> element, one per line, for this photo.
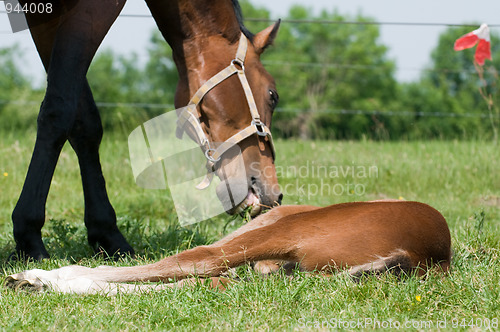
<point x="169" y="107"/>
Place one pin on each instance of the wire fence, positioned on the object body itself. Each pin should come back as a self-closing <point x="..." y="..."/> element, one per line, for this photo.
<point x="333" y="22"/>
<point x="317" y="21"/>
<point x="330" y="22"/>
<point x="169" y="107"/>
<point x="470" y="71"/>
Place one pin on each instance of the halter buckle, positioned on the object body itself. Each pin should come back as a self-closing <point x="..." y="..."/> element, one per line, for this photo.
<point x="239" y="63"/>
<point x="260" y="128"/>
<point x="208" y="154"/>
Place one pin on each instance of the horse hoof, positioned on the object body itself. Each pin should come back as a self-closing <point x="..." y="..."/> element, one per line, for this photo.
<point x="23" y="256"/>
<point x="18" y="282"/>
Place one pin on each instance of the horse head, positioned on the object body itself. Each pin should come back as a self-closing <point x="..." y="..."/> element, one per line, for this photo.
<point x="233" y="98"/>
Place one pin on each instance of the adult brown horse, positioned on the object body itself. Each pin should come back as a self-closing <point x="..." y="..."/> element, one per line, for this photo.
<point x="205" y="37"/>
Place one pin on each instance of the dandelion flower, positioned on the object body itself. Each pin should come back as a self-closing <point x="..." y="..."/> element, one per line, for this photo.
<point x="5" y="174"/>
<point x="418" y="298"/>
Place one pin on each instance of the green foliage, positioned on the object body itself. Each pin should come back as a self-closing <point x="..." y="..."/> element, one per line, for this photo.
<point x="162" y="72"/>
<point x="453" y="85"/>
<point x="325" y="67"/>
<point x="11" y="78"/>
<point x="129" y="93"/>
<point x="14" y="90"/>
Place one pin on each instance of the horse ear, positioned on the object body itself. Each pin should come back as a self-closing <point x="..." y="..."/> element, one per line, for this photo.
<point x="266" y="37"/>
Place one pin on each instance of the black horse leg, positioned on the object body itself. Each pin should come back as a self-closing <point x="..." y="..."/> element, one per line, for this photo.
<point x="66" y="48"/>
<point x="29" y="214"/>
<point x="100" y="218"/>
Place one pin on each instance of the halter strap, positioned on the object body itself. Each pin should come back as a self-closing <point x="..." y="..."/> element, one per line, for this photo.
<point x="190" y="114"/>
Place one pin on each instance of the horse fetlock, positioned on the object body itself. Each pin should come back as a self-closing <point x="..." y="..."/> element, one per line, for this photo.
<point x="110" y="244"/>
<point x="21" y="254"/>
<point x="29" y="246"/>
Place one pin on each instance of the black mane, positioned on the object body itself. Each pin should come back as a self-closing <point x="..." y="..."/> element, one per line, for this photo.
<point x="239" y="17"/>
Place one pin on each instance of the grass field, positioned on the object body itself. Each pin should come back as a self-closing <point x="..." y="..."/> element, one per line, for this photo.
<point x="460" y="179"/>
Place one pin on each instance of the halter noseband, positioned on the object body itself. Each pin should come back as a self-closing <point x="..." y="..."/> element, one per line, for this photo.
<point x="189" y="114"/>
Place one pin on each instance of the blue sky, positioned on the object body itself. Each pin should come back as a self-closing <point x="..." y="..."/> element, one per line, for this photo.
<point x="410" y="46"/>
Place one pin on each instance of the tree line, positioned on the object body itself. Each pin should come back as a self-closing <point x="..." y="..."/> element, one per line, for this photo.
<point x="335" y="81"/>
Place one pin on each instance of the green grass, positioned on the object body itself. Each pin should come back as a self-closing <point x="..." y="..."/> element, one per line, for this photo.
<point x="460" y="179"/>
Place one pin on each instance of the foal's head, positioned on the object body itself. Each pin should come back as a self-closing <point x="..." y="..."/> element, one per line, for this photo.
<point x="226" y="111"/>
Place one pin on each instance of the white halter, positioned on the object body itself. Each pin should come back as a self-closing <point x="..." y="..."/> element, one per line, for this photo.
<point x="189" y="114"/>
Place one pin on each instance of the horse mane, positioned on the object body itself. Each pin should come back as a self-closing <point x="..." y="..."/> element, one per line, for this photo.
<point x="239" y="17"/>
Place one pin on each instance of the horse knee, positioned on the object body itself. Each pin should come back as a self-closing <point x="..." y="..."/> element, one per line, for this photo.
<point x="87" y="129"/>
<point x="56" y="118"/>
<point x="27" y="219"/>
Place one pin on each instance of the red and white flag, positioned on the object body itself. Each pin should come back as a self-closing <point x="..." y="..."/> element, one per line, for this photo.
<point x="480" y="36"/>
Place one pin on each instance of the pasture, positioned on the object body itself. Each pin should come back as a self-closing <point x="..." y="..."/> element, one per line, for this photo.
<point x="459" y="178"/>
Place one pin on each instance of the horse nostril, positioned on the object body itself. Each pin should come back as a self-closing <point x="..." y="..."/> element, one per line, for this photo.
<point x="253" y="180"/>
<point x="280" y="197"/>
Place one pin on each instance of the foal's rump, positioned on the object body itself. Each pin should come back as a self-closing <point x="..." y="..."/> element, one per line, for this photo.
<point x="352" y="234"/>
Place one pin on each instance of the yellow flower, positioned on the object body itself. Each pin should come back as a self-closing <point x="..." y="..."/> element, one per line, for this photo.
<point x="418" y="298"/>
<point x="401" y="198"/>
<point x="5" y="174"/>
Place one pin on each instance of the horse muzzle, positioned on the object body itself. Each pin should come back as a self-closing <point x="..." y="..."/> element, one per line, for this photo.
<point x="236" y="196"/>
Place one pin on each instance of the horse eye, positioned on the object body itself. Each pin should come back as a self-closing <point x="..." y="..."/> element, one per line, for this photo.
<point x="274" y="98"/>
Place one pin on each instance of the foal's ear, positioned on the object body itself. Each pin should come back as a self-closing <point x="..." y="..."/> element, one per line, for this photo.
<point x="266" y="37"/>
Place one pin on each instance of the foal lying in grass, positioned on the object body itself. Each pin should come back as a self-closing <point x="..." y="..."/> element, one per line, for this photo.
<point x="361" y="237"/>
